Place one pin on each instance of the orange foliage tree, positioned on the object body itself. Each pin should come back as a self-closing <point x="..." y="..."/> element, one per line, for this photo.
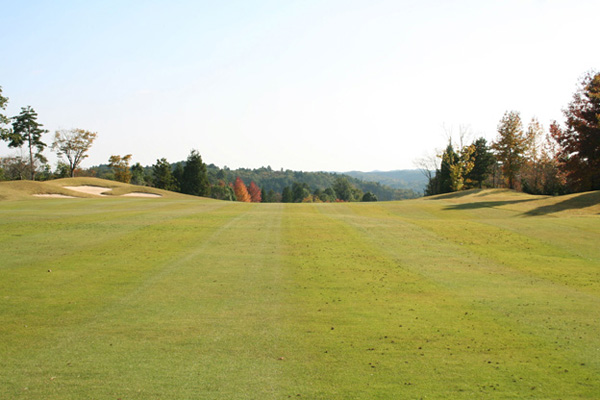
<point x="254" y="191"/>
<point x="241" y="192"/>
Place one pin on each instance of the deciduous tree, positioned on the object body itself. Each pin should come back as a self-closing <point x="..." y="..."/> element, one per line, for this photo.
<point x="4" y="120"/>
<point x="579" y="142"/>
<point x="120" y="167"/>
<point x="241" y="191"/>
<point x="369" y="196"/>
<point x="14" y="168"/>
<point x="533" y="167"/>
<point x="73" y="144"/>
<point x="222" y="191"/>
<point x="345" y="191"/>
<point x="255" y="193"/>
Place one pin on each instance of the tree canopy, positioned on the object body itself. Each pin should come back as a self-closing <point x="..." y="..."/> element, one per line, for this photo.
<point x="162" y="175"/>
<point x="120" y="167"/>
<point x="194" y="180"/>
<point x="511" y="146"/>
<point x="241" y="191"/>
<point x="4" y="120"/>
<point x="483" y="160"/>
<point x="26" y="130"/>
<point x="73" y="144"/>
<point x="579" y="143"/>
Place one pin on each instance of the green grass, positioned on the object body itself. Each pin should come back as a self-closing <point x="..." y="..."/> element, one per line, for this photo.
<point x="489" y="294"/>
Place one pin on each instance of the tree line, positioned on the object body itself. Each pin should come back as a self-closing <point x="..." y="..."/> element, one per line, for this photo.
<point x="564" y="159"/>
<point x="266" y="185"/>
<point x="24" y="131"/>
<point x="191" y="176"/>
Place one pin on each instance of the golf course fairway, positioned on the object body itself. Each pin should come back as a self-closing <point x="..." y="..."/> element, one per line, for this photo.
<point x="486" y="294"/>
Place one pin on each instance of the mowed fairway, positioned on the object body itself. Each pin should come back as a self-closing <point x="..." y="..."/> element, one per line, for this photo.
<point x="487" y="294"/>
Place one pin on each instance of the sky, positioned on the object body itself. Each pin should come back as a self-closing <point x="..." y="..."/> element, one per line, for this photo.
<point x="329" y="85"/>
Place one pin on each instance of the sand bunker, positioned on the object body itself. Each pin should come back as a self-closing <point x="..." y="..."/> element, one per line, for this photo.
<point x="54" y="196"/>
<point x="141" y="194"/>
<point x="97" y="190"/>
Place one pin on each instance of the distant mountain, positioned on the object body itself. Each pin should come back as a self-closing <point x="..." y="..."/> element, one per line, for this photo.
<point x="399" y="179"/>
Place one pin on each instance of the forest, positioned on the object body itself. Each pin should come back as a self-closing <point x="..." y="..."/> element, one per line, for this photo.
<point x="274" y="186"/>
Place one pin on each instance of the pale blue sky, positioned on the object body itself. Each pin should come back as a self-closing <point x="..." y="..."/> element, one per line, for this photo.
<point x="307" y="85"/>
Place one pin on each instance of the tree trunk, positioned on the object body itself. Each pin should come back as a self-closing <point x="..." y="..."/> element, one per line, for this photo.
<point x="31" y="161"/>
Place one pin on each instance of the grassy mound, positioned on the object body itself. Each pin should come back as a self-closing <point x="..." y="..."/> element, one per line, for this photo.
<point x="587" y="203"/>
<point x="20" y="190"/>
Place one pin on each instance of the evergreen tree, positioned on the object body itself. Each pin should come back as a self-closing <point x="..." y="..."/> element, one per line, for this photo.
<point x="299" y="192"/>
<point x="286" y="195"/>
<point x="511" y="146"/>
<point x="194" y="177"/>
<point x="178" y="175"/>
<point x="138" y="177"/>
<point x="263" y="196"/>
<point x="26" y="129"/>
<point x="483" y="160"/>
<point x="449" y="158"/>
<point x="162" y="175"/>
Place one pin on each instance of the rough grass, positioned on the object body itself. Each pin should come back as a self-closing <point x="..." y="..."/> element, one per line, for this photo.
<point x="488" y="295"/>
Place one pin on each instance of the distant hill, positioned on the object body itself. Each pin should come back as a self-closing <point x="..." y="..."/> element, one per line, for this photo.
<point x="398" y="179"/>
<point x="276" y="180"/>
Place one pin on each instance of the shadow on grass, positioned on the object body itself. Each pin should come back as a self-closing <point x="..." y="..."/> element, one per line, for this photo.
<point x="485" y="204"/>
<point x="582" y="201"/>
<point x="454" y="195"/>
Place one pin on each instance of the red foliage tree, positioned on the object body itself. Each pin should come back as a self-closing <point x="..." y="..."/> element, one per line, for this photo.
<point x="241" y="192"/>
<point x="579" y="143"/>
<point x="254" y="191"/>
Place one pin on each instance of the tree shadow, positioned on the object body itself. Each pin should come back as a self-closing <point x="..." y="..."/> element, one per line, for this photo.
<point x="485" y="204"/>
<point x="582" y="201"/>
<point x="454" y="195"/>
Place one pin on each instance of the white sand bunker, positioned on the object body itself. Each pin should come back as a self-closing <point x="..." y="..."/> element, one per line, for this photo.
<point x="97" y="190"/>
<point x="141" y="194"/>
<point x="54" y="196"/>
